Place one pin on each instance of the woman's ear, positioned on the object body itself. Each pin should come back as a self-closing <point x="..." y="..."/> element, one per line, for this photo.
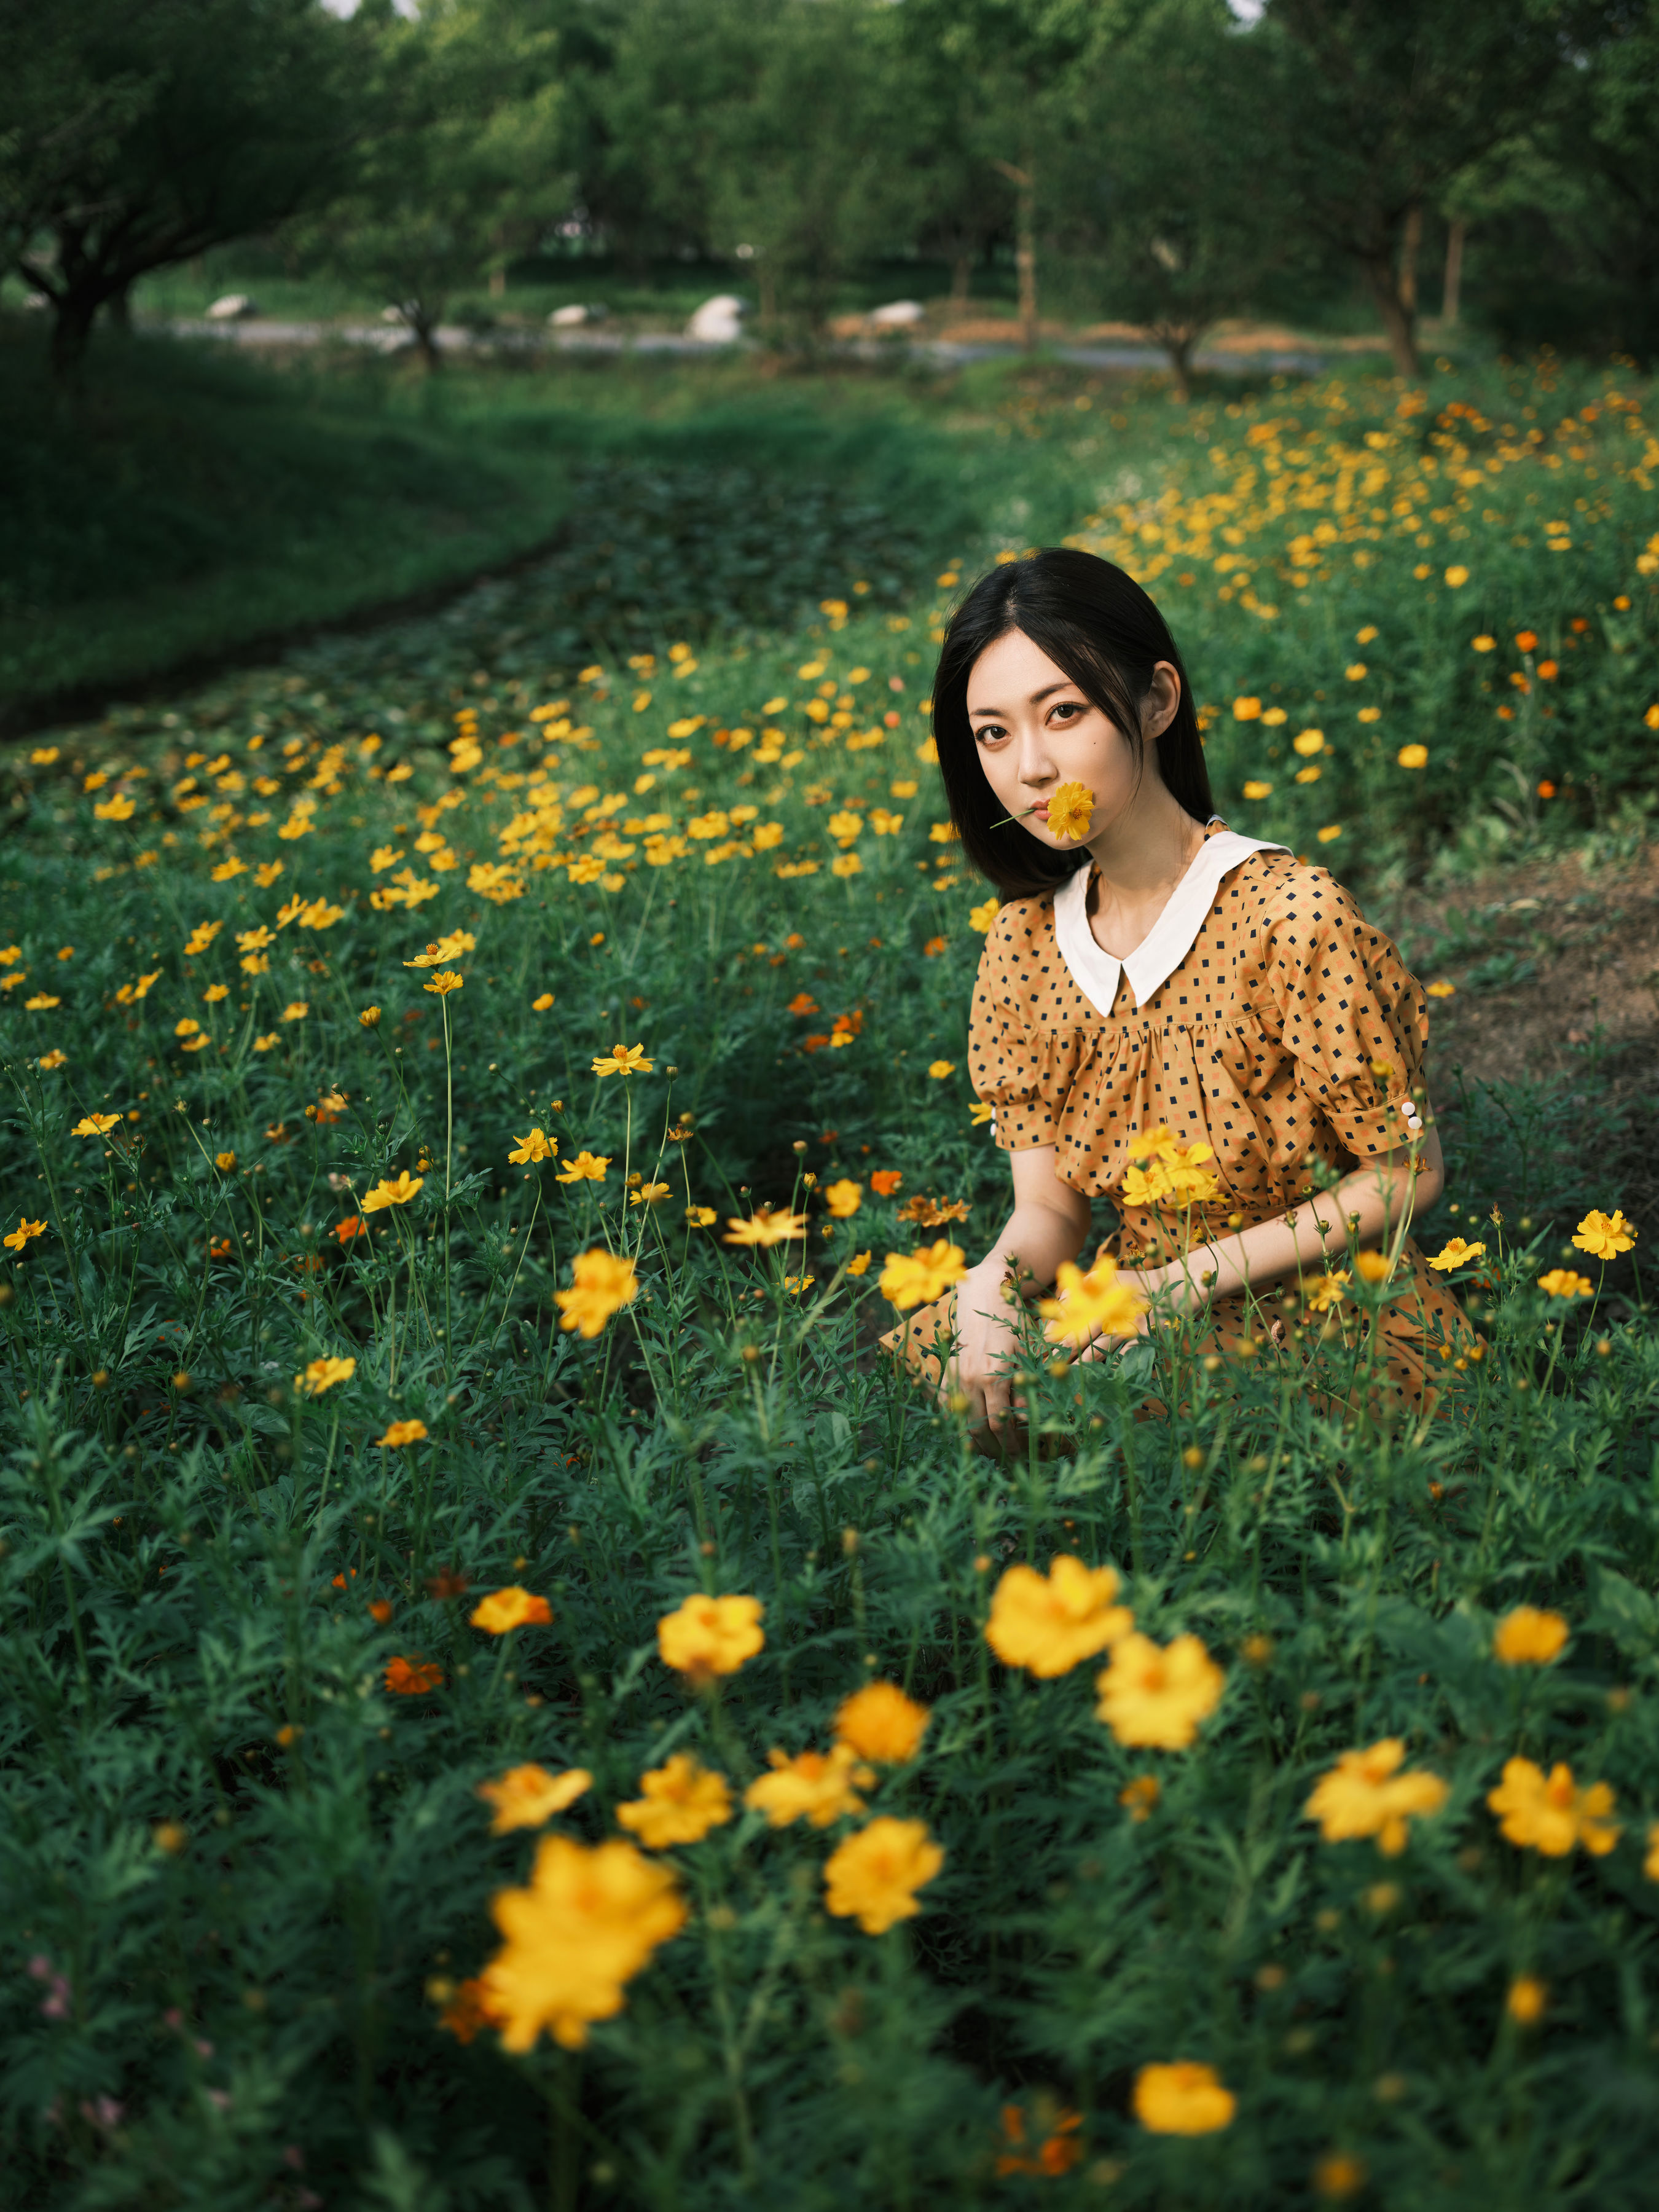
<point x="1157" y="709"/>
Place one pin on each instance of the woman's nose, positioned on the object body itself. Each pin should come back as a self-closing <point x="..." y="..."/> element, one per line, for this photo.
<point x="1035" y="765"/>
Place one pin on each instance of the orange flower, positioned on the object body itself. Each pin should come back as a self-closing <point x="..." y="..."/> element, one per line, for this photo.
<point x="886" y="1181"/>
<point x="355" y="1226"/>
<point x="469" y="2009"/>
<point x="411" y="1676"/>
<point x="508" y="1608"/>
<point x="708" y="1636"/>
<point x="880" y="1722"/>
<point x="529" y="1796"/>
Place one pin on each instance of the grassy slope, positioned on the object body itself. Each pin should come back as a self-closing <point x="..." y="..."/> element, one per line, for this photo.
<point x="191" y="503"/>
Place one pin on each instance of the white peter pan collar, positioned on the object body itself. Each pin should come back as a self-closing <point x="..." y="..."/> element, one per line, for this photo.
<point x="1096" y="972"/>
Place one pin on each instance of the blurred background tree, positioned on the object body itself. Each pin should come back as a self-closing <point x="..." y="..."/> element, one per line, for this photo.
<point x="1169" y="204"/>
<point x="461" y="164"/>
<point x="137" y="133"/>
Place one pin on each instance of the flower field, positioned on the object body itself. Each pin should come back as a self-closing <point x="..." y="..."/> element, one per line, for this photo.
<point x="509" y="1699"/>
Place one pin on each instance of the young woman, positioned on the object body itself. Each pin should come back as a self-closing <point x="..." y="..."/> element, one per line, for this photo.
<point x="1158" y="976"/>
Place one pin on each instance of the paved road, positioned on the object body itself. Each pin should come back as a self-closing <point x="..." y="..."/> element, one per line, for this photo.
<point x="391" y="338"/>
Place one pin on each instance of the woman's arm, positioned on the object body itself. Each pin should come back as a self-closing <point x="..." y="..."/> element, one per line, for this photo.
<point x="1368" y="1205"/>
<point x="1049" y="1224"/>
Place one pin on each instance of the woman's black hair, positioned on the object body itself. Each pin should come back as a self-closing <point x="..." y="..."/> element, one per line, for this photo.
<point x="1094" y="621"/>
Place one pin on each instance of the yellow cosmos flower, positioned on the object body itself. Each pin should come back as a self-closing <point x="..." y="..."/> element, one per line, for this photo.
<point x="873" y="1877"/>
<point x="1091" y="1304"/>
<point x="982" y="917"/>
<point x="322" y="1375"/>
<point x="529" y="1796"/>
<point x="708" y="1636"/>
<point x="1528" y="1636"/>
<point x="766" y="1227"/>
<point x="1154" y="1697"/>
<point x="1563" y="1283"/>
<point x="843" y="1198"/>
<point x="386" y="1193"/>
<point x="1184" y="2098"/>
<point x="1457" y="577"/>
<point x="539" y="1006"/>
<point x="814" y="1785"/>
<point x="446" y="981"/>
<point x="1528" y="2000"/>
<point x="1139" y="1798"/>
<point x="295" y="1011"/>
<point x="1331" y="832"/>
<point x="41" y="1002"/>
<point x="370" y="1018"/>
<point x="55" y="1058"/>
<point x="700" y="1217"/>
<point x="880" y="1722"/>
<point x="1483" y="643"/>
<point x="1605" y="1235"/>
<point x="1364" y="1795"/>
<point x="94" y="1125"/>
<point x="1551" y="1813"/>
<point x="624" y="1059"/>
<point x="20" y="1237"/>
<point x="1326" y="1291"/>
<point x="1246" y="710"/>
<point x="536" y="1147"/>
<point x="1413" y="756"/>
<point x="681" y="1801"/>
<point x="588" y="1922"/>
<point x="650" y="1194"/>
<point x="401" y="1433"/>
<point x="1440" y="988"/>
<point x="1457" y="1253"/>
<point x="1071" y="810"/>
<point x="587" y="1167"/>
<point x="859" y="1264"/>
<point x="1255" y="788"/>
<point x="1051" y="1624"/>
<point x="602" y="1285"/>
<point x="917" y="1279"/>
<point x="514" y="1607"/>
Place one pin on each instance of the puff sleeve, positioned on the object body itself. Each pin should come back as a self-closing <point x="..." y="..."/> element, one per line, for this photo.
<point x="1008" y="1059"/>
<point x="1353" y="1017"/>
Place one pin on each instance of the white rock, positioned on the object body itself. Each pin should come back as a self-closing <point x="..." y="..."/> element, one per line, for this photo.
<point x="899" y="315"/>
<point x="569" y="318"/>
<point x="718" y="321"/>
<point x="232" y="307"/>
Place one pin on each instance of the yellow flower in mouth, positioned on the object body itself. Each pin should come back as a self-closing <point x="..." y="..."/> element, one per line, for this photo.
<point x="1551" y="1813"/>
<point x="874" y="1876"/>
<point x="94" y="1125"/>
<point x="1071" y="809"/>
<point x="1184" y="2098"/>
<point x="1085" y="1306"/>
<point x="1156" y="1697"/>
<point x="1364" y="1796"/>
<point x="602" y="1285"/>
<point x="386" y="1193"/>
<point x="1456" y="1252"/>
<point x="765" y="1227"/>
<point x="624" y="1059"/>
<point x="917" y="1279"/>
<point x="1605" y="1235"/>
<point x="514" y="1607"/>
<point x="529" y="1796"/>
<point x="322" y="1375"/>
<point x="537" y="1145"/>
<point x="1528" y="1636"/>
<point x="682" y="1801"/>
<point x="708" y="1636"/>
<point x="590" y="1920"/>
<point x="1050" y="1624"/>
<point x="587" y="1167"/>
<point x="880" y="1722"/>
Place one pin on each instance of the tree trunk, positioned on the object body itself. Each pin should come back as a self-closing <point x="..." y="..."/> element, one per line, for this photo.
<point x="70" y="332"/>
<point x="1179" y="347"/>
<point x="962" y="277"/>
<point x="1450" y="298"/>
<point x="1410" y="245"/>
<point x="424" y="324"/>
<point x="1398" y="320"/>
<point x="1025" y="183"/>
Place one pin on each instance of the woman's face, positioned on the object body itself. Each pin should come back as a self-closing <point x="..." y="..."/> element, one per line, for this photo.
<point x="1036" y="729"/>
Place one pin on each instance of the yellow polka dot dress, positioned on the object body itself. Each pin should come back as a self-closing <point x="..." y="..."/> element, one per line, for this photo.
<point x="1262" y="1016"/>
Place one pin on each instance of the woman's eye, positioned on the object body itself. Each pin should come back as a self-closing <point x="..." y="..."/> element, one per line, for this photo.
<point x="989" y="732"/>
<point x="1068" y="707"/>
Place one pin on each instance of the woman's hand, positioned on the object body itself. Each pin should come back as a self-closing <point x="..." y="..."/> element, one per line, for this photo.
<point x="988" y="1314"/>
